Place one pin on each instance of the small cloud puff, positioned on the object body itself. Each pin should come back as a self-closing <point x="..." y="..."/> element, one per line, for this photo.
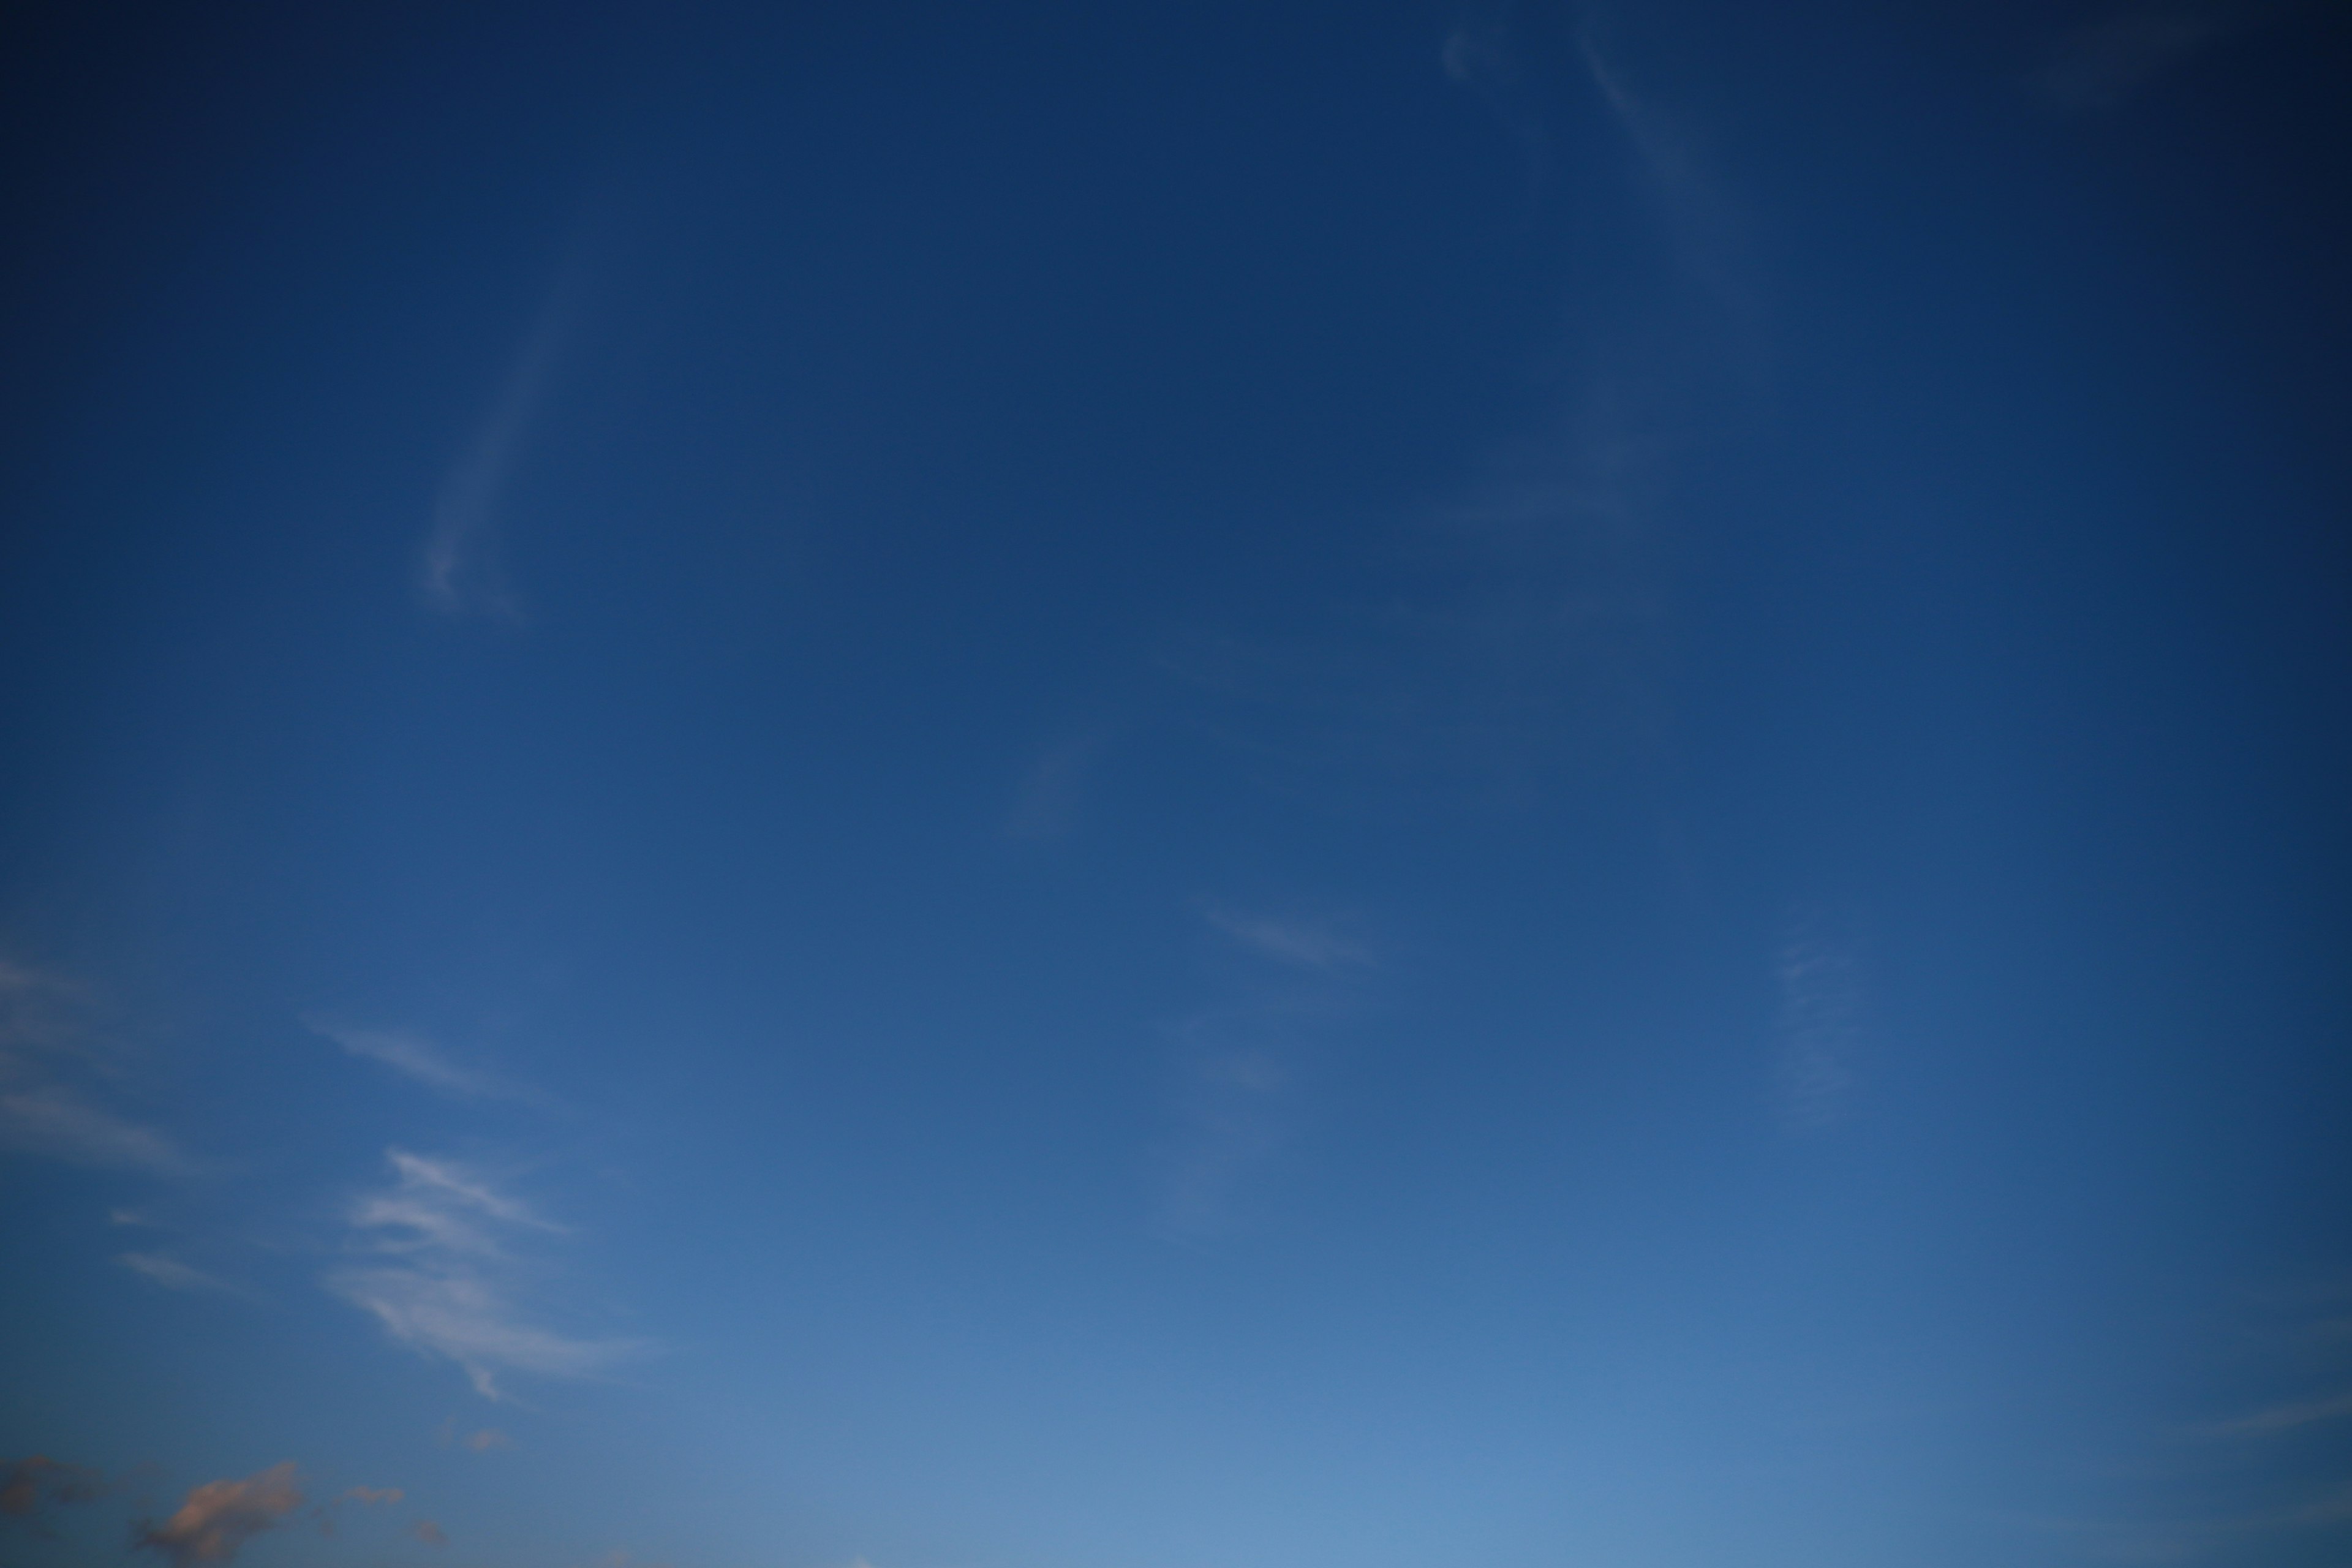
<point x="219" y="1517"/>
<point x="432" y="1534"/>
<point x="488" y="1438"/>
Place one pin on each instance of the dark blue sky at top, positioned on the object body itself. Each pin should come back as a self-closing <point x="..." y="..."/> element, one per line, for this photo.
<point x="1172" y="785"/>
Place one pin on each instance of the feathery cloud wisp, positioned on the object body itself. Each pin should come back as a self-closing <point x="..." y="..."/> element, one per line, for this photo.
<point x="57" y="1123"/>
<point x="43" y="1040"/>
<point x="1821" y="1004"/>
<point x="445" y="1277"/>
<point x="2286" y="1417"/>
<point x="1300" y="942"/>
<point x="2105" y="65"/>
<point x="418" y="1060"/>
<point x="175" y="1275"/>
<point x="461" y="573"/>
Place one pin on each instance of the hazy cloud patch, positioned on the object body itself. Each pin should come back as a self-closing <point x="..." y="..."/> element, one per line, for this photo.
<point x="219" y="1517"/>
<point x="2108" y="63"/>
<point x="1046" y="803"/>
<point x="31" y="1486"/>
<point x="1243" y="1067"/>
<point x="2278" y="1418"/>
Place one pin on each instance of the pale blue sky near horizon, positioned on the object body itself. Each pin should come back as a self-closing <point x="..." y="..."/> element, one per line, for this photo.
<point x="1168" y="786"/>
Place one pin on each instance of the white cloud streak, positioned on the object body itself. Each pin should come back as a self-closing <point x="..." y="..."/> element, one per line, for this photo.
<point x="443" y="1272"/>
<point x="175" y="1275"/>
<point x="419" y="1060"/>
<point x="56" y="1123"/>
<point x="461" y="573"/>
<point x="1302" y="943"/>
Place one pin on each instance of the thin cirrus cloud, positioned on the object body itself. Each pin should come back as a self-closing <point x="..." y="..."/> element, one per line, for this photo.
<point x="219" y="1517"/>
<point x="420" y="1061"/>
<point x="1240" y="1066"/>
<point x="1051" y="792"/>
<point x="2108" y="63"/>
<point x="446" y="1263"/>
<point x="57" y="1122"/>
<point x="44" y="1041"/>
<point x="2288" y="1417"/>
<point x="1300" y="942"/>
<point x="1822" y="1011"/>
<point x="461" y="572"/>
<point x="173" y="1275"/>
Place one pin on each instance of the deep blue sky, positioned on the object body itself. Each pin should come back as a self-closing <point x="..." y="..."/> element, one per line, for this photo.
<point x="1170" y="786"/>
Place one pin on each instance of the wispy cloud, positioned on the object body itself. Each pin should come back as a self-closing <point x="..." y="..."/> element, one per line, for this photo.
<point x="1046" y="804"/>
<point x="44" y="1040"/>
<point x="2108" y="63"/>
<point x="30" y="1487"/>
<point x="1243" y="1065"/>
<point x="1482" y="55"/>
<point x="220" y="1517"/>
<point x="2267" y="1484"/>
<point x="445" y="1273"/>
<point x="432" y="1534"/>
<point x="419" y="1060"/>
<point x="461" y="570"/>
<point x="2286" y="1417"/>
<point x="1821" y="1021"/>
<point x="57" y="1123"/>
<point x="1304" y="942"/>
<point x="175" y="1275"/>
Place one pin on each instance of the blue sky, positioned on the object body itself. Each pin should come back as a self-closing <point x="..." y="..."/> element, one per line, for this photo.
<point x="1176" y="786"/>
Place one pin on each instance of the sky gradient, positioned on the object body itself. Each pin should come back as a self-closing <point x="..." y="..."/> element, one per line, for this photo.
<point x="1176" y="786"/>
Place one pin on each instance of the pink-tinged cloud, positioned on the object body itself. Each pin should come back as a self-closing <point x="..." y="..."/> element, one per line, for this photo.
<point x="220" y="1517"/>
<point x="30" y="1485"/>
<point x="432" y="1534"/>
